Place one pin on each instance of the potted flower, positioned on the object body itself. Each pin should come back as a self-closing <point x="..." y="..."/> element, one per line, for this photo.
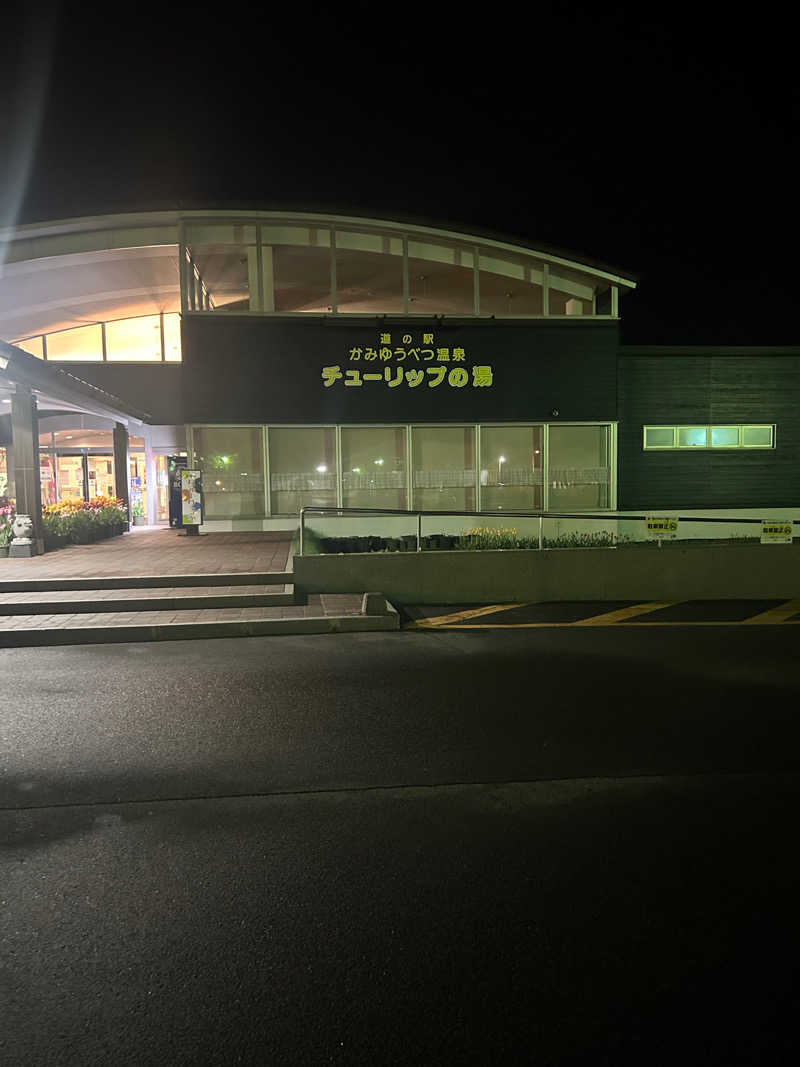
<point x="6" y="522"/>
<point x="137" y="511"/>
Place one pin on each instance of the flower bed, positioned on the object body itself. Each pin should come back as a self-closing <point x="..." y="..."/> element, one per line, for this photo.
<point x="6" y="521"/>
<point x="81" y="522"/>
<point x="477" y="539"/>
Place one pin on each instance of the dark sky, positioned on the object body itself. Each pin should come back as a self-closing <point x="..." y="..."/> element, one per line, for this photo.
<point x="661" y="140"/>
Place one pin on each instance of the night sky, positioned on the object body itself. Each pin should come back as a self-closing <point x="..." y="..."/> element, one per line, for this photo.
<point x="660" y="141"/>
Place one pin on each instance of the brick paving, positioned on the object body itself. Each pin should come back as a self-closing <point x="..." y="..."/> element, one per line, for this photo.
<point x="147" y="552"/>
<point x="157" y="550"/>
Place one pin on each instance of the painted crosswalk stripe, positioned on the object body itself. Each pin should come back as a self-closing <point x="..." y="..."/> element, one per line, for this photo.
<point x="775" y="615"/>
<point x="610" y="617"/>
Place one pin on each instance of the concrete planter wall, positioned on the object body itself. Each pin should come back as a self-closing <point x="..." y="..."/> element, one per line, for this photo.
<point x="641" y="573"/>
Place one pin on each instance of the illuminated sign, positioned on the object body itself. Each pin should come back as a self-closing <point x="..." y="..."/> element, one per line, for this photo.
<point x="403" y="365"/>
<point x="191" y="498"/>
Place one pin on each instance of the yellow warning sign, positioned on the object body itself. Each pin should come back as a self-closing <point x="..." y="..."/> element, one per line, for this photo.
<point x="664" y="527"/>
<point x="776" y="532"/>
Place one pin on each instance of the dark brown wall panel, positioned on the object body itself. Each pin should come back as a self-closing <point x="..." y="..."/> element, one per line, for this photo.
<point x="713" y="389"/>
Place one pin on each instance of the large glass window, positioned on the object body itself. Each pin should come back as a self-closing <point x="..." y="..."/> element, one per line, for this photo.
<point x="369" y="273"/>
<point x="510" y="285"/>
<point x="444" y="468"/>
<point x="511" y="468"/>
<point x="570" y="293"/>
<point x="133" y="340"/>
<point x="172" y="338"/>
<point x="374" y="466"/>
<point x="302" y="468"/>
<point x="296" y="262"/>
<point x="441" y="279"/>
<point x="83" y="344"/>
<point x="232" y="461"/>
<point x="34" y="346"/>
<point x="222" y="274"/>
<point x="578" y="468"/>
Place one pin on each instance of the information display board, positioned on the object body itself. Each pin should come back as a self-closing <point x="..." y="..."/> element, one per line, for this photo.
<point x="191" y="498"/>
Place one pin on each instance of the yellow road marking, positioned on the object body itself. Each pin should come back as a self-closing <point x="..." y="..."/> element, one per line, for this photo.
<point x="471" y="613"/>
<point x="609" y="617"/>
<point x="611" y="625"/>
<point x="777" y="614"/>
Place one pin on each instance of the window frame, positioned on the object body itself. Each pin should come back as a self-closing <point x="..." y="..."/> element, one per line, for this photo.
<point x="708" y="446"/>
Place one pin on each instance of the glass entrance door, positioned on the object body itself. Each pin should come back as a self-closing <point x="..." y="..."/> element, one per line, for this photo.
<point x="101" y="475"/>
<point x="70" y="474"/>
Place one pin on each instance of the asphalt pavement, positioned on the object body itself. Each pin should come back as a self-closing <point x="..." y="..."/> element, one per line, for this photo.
<point x="547" y="846"/>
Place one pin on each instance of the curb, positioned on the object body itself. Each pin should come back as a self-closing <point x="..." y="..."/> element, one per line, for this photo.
<point x="188" y="631"/>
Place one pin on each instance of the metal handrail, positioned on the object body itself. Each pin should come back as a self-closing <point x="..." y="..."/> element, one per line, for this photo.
<point x="540" y="515"/>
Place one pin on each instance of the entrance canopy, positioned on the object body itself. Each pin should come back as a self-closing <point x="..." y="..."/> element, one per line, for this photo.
<point x="30" y="389"/>
<point x="57" y="390"/>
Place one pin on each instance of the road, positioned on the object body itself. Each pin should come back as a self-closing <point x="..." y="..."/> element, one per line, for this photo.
<point x="549" y="845"/>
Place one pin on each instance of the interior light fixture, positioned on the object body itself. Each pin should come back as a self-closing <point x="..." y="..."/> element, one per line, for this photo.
<point x="379" y="462"/>
<point x="322" y="469"/>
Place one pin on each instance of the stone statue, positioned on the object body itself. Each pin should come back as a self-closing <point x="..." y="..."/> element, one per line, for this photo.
<point x="22" y="529"/>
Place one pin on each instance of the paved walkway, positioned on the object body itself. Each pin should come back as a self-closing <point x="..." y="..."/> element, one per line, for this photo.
<point x="157" y="550"/>
<point x="142" y="598"/>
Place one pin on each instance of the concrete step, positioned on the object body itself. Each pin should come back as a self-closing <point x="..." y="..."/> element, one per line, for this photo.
<point x="188" y="598"/>
<point x="147" y="581"/>
<point x="324" y="614"/>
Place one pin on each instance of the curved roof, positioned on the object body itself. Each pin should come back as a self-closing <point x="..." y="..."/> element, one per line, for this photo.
<point x="174" y="213"/>
<point x="67" y="273"/>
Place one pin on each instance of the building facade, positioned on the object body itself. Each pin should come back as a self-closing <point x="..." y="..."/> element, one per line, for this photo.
<point x="342" y="361"/>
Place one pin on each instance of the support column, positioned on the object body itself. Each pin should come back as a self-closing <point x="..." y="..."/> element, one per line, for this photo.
<point x="25" y="460"/>
<point x="150" y="477"/>
<point x="122" y="468"/>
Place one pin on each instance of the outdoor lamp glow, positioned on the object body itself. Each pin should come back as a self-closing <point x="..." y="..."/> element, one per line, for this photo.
<point x="379" y="462"/>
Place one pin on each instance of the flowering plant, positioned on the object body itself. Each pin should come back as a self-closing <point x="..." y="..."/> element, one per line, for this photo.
<point x="77" y="518"/>
<point x="6" y="519"/>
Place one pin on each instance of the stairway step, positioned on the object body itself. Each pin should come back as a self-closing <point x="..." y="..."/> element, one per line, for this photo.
<point x="72" y="602"/>
<point x="147" y="581"/>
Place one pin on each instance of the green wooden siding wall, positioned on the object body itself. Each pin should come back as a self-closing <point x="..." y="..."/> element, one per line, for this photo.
<point x="708" y="390"/>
